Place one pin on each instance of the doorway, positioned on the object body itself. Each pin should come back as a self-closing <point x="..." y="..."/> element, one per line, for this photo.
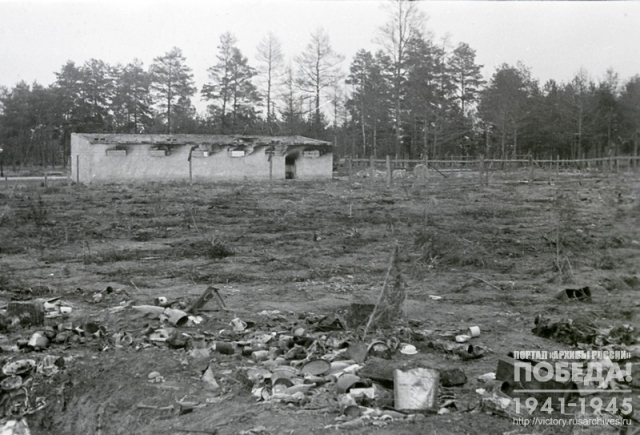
<point x="290" y="167"/>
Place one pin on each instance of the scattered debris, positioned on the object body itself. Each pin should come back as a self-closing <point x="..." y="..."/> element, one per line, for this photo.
<point x="15" y="427"/>
<point x="416" y="389"/>
<point x="210" y="293"/>
<point x="579" y="294"/>
<point x="566" y="331"/>
<point x="474" y="331"/>
<point x="452" y="377"/>
<point x="209" y="379"/>
<point x="26" y="313"/>
<point x="582" y="332"/>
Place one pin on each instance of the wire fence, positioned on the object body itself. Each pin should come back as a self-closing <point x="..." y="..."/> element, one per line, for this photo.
<point x="483" y="171"/>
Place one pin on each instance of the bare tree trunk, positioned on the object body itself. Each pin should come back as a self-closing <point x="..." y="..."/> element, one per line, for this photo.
<point x="486" y="144"/>
<point x="375" y="145"/>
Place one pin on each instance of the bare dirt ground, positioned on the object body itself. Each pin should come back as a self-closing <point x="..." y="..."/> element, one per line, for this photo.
<point x="495" y="255"/>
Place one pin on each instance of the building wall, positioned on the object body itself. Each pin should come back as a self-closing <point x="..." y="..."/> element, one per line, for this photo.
<point x="95" y="165"/>
<point x="314" y="168"/>
<point x="80" y="159"/>
<point x="222" y="166"/>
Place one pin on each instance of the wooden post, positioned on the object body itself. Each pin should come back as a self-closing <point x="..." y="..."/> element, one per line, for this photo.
<point x="426" y="167"/>
<point x="372" y="170"/>
<point x="389" y="171"/>
<point x="557" y="164"/>
<point x="636" y="164"/>
<point x="486" y="174"/>
<point x="45" y="179"/>
<point x="350" y="168"/>
<point x="190" y="171"/>
<point x="481" y="169"/>
<point x="78" y="169"/>
<point x="530" y="169"/>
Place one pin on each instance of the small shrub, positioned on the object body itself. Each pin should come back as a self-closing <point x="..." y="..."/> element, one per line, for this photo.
<point x="219" y="249"/>
<point x="38" y="212"/>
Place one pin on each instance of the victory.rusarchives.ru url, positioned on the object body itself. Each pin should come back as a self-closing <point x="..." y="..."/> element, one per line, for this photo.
<point x="575" y="421"/>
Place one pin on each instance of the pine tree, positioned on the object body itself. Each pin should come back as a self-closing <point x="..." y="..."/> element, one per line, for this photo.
<point x="132" y="98"/>
<point x="369" y="102"/>
<point x="466" y="76"/>
<point x="404" y="25"/>
<point x="231" y="89"/>
<point x="96" y="89"/>
<point x="171" y="80"/>
<point x="504" y="103"/>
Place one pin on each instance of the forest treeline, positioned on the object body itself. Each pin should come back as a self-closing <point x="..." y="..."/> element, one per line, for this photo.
<point x="414" y="95"/>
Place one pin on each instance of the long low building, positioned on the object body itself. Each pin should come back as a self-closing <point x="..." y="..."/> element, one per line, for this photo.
<point x="100" y="157"/>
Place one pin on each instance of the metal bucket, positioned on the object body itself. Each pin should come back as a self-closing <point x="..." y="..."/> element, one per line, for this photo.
<point x="416" y="389"/>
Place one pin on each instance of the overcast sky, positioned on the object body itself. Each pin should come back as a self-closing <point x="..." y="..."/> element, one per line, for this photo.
<point x="554" y="39"/>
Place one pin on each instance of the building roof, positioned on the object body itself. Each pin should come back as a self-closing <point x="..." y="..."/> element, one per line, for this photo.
<point x="200" y="139"/>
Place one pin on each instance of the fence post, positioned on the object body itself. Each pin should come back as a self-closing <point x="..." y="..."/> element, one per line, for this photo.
<point x="271" y="171"/>
<point x="487" y="172"/>
<point x="426" y="168"/>
<point x="389" y="171"/>
<point x="481" y="169"/>
<point x="530" y="169"/>
<point x="350" y="168"/>
<point x="77" y="168"/>
<point x="372" y="169"/>
<point x="636" y="162"/>
<point x="45" y="179"/>
<point x="190" y="171"/>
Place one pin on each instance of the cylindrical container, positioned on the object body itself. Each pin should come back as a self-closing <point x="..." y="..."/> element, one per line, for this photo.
<point x="285" y="341"/>
<point x="125" y="339"/>
<point x="474" y="331"/>
<point x="497" y="386"/>
<point x="176" y="317"/>
<point x="346" y="381"/>
<point x="238" y="325"/>
<point x="11" y="383"/>
<point x="286" y="372"/>
<point x="160" y="301"/>
<point x="260" y="355"/>
<point x="416" y="389"/>
<point x="316" y="367"/>
<point x="224" y="348"/>
<point x="38" y="341"/>
<point x="345" y="401"/>
<point x="463" y="338"/>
